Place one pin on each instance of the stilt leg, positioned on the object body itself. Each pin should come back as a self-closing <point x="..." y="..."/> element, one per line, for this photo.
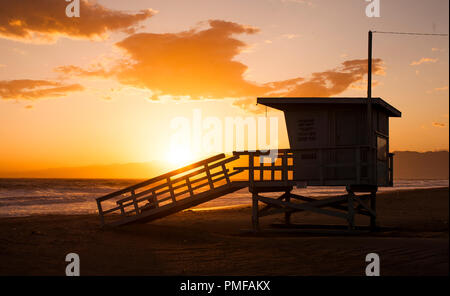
<point x="287" y="215"/>
<point x="373" y="207"/>
<point x="351" y="211"/>
<point x="255" y="218"/>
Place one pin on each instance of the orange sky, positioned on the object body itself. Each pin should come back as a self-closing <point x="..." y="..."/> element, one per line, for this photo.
<point x="103" y="88"/>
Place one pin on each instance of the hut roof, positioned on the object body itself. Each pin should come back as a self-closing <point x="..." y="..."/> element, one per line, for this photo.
<point x="289" y="103"/>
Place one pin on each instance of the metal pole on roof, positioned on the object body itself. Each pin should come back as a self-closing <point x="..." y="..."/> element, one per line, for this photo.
<point x="369" y="105"/>
<point x="371" y="142"/>
<point x="369" y="90"/>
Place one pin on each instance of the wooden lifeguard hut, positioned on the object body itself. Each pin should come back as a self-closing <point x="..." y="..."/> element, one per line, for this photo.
<point x="333" y="142"/>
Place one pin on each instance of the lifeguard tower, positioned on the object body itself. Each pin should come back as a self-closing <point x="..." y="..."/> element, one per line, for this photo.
<point x="333" y="142"/>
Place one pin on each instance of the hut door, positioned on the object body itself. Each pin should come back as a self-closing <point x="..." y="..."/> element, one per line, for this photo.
<point x="346" y="135"/>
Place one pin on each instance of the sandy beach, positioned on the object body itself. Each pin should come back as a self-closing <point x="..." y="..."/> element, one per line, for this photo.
<point x="413" y="241"/>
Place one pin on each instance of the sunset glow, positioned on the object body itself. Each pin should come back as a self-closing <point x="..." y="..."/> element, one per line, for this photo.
<point x="103" y="88"/>
<point x="179" y="156"/>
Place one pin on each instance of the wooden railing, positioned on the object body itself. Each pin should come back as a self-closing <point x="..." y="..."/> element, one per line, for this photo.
<point x="282" y="163"/>
<point x="280" y="171"/>
<point x="212" y="173"/>
<point x="168" y="188"/>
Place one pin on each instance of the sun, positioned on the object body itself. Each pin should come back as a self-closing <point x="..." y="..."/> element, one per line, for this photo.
<point x="179" y="156"/>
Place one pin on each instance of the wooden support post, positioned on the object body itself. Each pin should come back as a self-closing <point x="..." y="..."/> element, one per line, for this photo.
<point x="351" y="211"/>
<point x="155" y="199"/>
<point x="251" y="170"/>
<point x="261" y="168"/>
<point x="225" y="172"/>
<point x="255" y="214"/>
<point x="122" y="210"/>
<point x="172" y="194"/>
<point x="188" y="183"/>
<point x="100" y="212"/>
<point x="285" y="170"/>
<point x="287" y="215"/>
<point x="373" y="207"/>
<point x="272" y="171"/>
<point x="136" y="207"/>
<point x="208" y="174"/>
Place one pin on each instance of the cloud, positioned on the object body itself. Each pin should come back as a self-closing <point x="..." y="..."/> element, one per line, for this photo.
<point x="422" y="61"/>
<point x="196" y="63"/>
<point x="441" y="88"/>
<point x="27" y="89"/>
<point x="19" y="51"/>
<point x="335" y="81"/>
<point x="438" y="124"/>
<point x="200" y="64"/>
<point x="45" y="20"/>
<point x="78" y="71"/>
<point x="309" y="3"/>
<point x="437" y="49"/>
<point x="438" y="89"/>
<point x="289" y="36"/>
<point x="320" y="84"/>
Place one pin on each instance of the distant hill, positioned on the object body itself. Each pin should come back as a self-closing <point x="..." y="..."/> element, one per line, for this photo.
<point x="407" y="165"/>
<point x="421" y="165"/>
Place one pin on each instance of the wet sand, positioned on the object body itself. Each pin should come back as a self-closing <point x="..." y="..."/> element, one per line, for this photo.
<point x="413" y="241"/>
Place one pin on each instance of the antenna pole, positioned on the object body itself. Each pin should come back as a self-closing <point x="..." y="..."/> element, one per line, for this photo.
<point x="369" y="90"/>
<point x="369" y="101"/>
<point x="369" y="71"/>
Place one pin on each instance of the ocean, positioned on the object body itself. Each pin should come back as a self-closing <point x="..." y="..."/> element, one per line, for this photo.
<point x="25" y="197"/>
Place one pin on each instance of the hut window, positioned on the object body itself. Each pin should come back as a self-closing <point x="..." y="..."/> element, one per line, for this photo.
<point x="381" y="148"/>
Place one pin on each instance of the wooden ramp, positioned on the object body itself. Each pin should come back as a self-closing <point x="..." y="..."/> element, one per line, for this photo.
<point x="211" y="178"/>
<point x="170" y="193"/>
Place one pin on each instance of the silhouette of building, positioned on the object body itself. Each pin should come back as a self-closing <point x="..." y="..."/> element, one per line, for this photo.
<point x="331" y="142"/>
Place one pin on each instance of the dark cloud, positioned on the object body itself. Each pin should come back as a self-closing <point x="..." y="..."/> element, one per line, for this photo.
<point x="46" y="19"/>
<point x="27" y="89"/>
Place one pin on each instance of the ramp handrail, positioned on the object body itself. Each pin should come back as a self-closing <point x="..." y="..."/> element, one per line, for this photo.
<point x="163" y="189"/>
